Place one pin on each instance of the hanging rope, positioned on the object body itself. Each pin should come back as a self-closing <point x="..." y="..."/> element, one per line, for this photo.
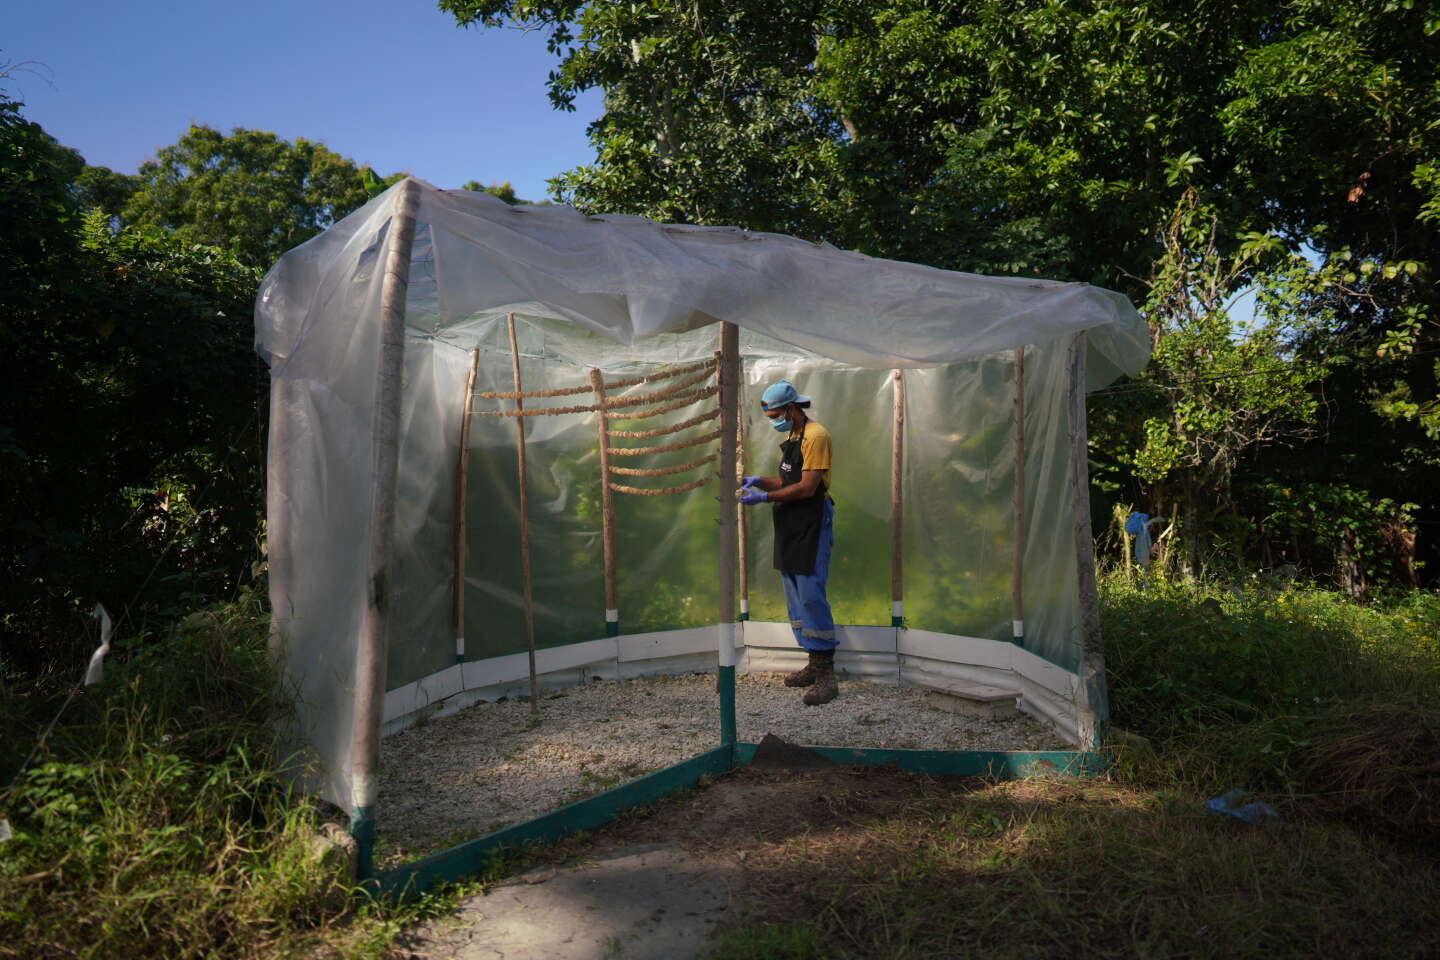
<point x="662" y="471"/>
<point x="617" y="385"/>
<point x="661" y="431"/>
<point x="529" y="394"/>
<point x="673" y="390"/>
<point x="661" y="491"/>
<point x="664" y="374"/>
<point x="683" y="397"/>
<point x="664" y="448"/>
<point x="682" y="401"/>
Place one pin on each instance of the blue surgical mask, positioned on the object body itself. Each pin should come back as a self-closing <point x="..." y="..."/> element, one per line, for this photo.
<point x="780" y="426"/>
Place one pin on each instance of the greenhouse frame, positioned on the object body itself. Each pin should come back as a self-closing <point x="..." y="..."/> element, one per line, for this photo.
<point x="427" y="345"/>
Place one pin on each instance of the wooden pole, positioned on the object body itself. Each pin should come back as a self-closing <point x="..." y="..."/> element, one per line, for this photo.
<point x="1017" y="573"/>
<point x="607" y="508"/>
<point x="462" y="478"/>
<point x="741" y="531"/>
<point x="897" y="501"/>
<point x="278" y="511"/>
<point x="729" y="371"/>
<point x="373" y="641"/>
<point x="524" y="520"/>
<point x="1094" y="717"/>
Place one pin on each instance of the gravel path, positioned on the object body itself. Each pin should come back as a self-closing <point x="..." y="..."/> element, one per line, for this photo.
<point x="488" y="766"/>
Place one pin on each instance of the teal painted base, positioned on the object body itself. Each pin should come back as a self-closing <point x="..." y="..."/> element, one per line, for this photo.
<point x="897" y="621"/>
<point x="474" y="856"/>
<point x="362" y="828"/>
<point x="612" y="628"/>
<point x="727" y="706"/>
<point x="1018" y="641"/>
<point x="744" y="617"/>
<point x="958" y="763"/>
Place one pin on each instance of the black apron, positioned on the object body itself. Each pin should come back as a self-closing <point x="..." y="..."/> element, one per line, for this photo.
<point x="797" y="523"/>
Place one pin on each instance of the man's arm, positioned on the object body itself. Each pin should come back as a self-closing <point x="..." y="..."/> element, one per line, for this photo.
<point x="802" y="489"/>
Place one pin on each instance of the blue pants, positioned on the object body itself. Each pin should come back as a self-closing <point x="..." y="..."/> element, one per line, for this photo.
<point x="805" y="596"/>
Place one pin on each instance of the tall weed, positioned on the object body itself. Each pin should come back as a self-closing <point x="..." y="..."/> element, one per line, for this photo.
<point x="155" y="824"/>
<point x="1323" y="703"/>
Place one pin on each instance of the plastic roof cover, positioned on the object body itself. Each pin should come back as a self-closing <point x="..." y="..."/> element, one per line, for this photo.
<point x="626" y="294"/>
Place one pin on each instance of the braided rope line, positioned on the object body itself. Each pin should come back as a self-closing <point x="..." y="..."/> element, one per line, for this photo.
<point x="661" y="431"/>
<point x="662" y="375"/>
<point x="661" y="491"/>
<point x="540" y="411"/>
<point x="618" y="384"/>
<point x="670" y="391"/>
<point x="664" y="448"/>
<point x="684" y="401"/>
<point x="662" y="471"/>
<point x="527" y="394"/>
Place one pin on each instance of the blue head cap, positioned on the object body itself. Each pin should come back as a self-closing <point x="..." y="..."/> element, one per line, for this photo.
<point x="780" y="393"/>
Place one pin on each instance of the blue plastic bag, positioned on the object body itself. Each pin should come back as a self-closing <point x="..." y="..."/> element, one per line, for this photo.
<point x="1254" y="813"/>
<point x="1136" y="523"/>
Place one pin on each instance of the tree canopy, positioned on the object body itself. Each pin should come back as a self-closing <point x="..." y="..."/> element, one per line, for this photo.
<point x="250" y="192"/>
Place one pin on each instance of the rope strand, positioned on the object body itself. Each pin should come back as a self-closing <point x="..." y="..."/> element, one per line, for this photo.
<point x="661" y="491"/>
<point x="661" y="431"/>
<point x="664" y="448"/>
<point x="662" y="471"/>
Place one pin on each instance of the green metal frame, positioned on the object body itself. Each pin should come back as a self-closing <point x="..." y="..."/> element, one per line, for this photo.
<point x="473" y="856"/>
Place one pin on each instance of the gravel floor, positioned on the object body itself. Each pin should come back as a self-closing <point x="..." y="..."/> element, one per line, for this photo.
<point x="489" y="766"/>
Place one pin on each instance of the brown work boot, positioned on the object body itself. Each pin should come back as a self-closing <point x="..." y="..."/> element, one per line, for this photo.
<point x="805" y="676"/>
<point x="824" y="689"/>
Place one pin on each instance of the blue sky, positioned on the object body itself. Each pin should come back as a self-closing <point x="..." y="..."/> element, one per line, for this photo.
<point x="396" y="85"/>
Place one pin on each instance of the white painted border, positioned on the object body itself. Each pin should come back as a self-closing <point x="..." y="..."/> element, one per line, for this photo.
<point x="882" y="654"/>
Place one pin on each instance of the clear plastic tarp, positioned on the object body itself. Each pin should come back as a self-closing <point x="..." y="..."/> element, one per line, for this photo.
<point x="626" y="296"/>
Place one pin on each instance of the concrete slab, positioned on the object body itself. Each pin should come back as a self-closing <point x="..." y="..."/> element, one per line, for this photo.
<point x="650" y="902"/>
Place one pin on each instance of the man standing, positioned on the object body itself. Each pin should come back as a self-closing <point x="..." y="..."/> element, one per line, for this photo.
<point x="804" y="519"/>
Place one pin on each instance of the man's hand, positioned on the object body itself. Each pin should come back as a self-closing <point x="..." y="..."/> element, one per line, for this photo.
<point x="749" y="496"/>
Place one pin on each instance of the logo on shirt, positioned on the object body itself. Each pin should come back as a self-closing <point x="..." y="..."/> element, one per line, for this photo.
<point x="785" y="467"/>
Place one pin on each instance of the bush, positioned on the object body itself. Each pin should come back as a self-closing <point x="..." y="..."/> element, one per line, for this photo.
<point x="155" y="825"/>
<point x="1324" y="705"/>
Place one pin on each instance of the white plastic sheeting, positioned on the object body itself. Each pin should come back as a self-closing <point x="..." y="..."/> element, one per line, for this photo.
<point x="627" y="295"/>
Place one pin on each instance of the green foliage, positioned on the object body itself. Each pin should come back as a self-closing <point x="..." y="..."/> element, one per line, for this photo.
<point x="1182" y="154"/>
<point x="154" y="824"/>
<point x="502" y="190"/>
<point x="1239" y="691"/>
<point x="250" y="192"/>
<point x="1356" y="532"/>
<point x="129" y="415"/>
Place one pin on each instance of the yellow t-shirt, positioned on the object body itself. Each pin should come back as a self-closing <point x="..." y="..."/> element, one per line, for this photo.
<point x="815" y="450"/>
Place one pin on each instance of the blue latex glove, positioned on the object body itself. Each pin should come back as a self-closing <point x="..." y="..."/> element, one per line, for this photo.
<point x="750" y="481"/>
<point x="752" y="496"/>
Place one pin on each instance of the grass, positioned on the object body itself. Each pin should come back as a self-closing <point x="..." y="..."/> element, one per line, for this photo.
<point x="1057" y="869"/>
<point x="1322" y="706"/>
<point x="154" y="823"/>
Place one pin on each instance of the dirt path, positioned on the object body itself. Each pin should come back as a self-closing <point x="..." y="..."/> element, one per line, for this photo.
<point x="657" y="883"/>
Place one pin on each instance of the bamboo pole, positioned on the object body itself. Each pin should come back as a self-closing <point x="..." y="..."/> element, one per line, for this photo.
<point x="1017" y="573"/>
<point x="462" y="479"/>
<point x="607" y="507"/>
<point x="373" y="640"/>
<point x="742" y="533"/>
<point x="277" y="511"/>
<point x="527" y="599"/>
<point x="729" y="382"/>
<point x="897" y="505"/>
<point x="1094" y="718"/>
